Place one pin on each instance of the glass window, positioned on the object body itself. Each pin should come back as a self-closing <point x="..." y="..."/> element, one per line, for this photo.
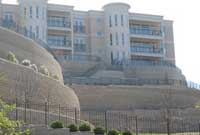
<point x="37" y="11"/>
<point x="110" y="21"/>
<point x="98" y="20"/>
<point x="43" y="12"/>
<point x="24" y="12"/>
<point x="116" y="20"/>
<point x="31" y="11"/>
<point x="111" y="40"/>
<point x="37" y="31"/>
<point x="99" y="34"/>
<point x="123" y="41"/>
<point x="117" y="39"/>
<point x="122" y="20"/>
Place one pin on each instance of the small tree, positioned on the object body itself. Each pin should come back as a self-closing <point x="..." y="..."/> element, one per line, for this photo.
<point x="26" y="63"/>
<point x="34" y="67"/>
<point x="7" y="126"/>
<point x="11" y="57"/>
<point x="44" y="70"/>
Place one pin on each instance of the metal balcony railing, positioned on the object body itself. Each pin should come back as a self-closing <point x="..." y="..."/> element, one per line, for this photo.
<point x="79" y="47"/>
<point x="150" y="50"/>
<point x="79" y="29"/>
<point x="59" y="43"/>
<point x="145" y="31"/>
<point x="58" y="22"/>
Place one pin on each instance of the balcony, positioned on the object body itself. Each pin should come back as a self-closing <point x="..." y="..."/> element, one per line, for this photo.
<point x="147" y="50"/>
<point x="80" y="47"/>
<point x="8" y="23"/>
<point x="58" y="23"/>
<point x="146" y="32"/>
<point x="59" y="44"/>
<point x="79" y="29"/>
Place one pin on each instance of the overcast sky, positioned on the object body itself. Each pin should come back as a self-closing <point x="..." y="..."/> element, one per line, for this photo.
<point x="184" y="13"/>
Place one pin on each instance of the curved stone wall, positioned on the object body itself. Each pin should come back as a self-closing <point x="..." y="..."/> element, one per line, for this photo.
<point x="25" y="48"/>
<point x="23" y="82"/>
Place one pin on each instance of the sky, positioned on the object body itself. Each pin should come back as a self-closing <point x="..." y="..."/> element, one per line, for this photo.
<point x="184" y="13"/>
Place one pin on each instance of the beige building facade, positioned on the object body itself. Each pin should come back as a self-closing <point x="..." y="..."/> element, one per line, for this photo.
<point x="113" y="34"/>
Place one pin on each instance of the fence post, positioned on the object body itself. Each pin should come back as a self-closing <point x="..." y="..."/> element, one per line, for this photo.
<point x="168" y="128"/>
<point x="16" y="110"/>
<point x="106" y="126"/>
<point x="25" y="111"/>
<point x="76" y="120"/>
<point x="59" y="112"/>
<point x="66" y="116"/>
<point x="46" y="121"/>
<point x="136" y="124"/>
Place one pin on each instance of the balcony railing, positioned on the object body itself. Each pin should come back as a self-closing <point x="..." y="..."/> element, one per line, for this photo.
<point x="145" y="31"/>
<point x="79" y="47"/>
<point x="61" y="22"/>
<point x="144" y="49"/>
<point x="79" y="29"/>
<point x="59" y="43"/>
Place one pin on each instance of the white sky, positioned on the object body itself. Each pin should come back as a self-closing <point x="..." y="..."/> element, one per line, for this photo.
<point x="184" y="13"/>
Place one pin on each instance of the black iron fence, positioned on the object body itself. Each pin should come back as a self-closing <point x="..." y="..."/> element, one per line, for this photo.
<point x="139" y="123"/>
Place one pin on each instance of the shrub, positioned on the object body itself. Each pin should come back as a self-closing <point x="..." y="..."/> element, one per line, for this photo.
<point x="44" y="70"/>
<point x="57" y="124"/>
<point x="34" y="67"/>
<point x="73" y="128"/>
<point x="85" y="127"/>
<point x="11" y="57"/>
<point x="26" y="63"/>
<point x="99" y="130"/>
<point x="54" y="76"/>
<point x="113" y="132"/>
<point x="127" y="133"/>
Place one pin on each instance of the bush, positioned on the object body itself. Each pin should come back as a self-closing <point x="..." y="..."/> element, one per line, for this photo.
<point x="85" y="127"/>
<point x="26" y="63"/>
<point x="34" y="67"/>
<point x="11" y="57"/>
<point x="44" y="70"/>
<point x="127" y="133"/>
<point x="55" y="77"/>
<point x="99" y="130"/>
<point x="57" y="124"/>
<point x="113" y="132"/>
<point x="73" y="128"/>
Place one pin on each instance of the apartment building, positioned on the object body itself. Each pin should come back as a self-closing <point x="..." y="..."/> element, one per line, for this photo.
<point x="112" y="34"/>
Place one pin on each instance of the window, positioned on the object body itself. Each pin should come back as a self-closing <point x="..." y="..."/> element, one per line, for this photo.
<point x="117" y="39"/>
<point x="37" y="31"/>
<point x="31" y="11"/>
<point x="8" y="16"/>
<point x="123" y="41"/>
<point x="111" y="40"/>
<point x="122" y="20"/>
<point x="116" y="20"/>
<point x="43" y="12"/>
<point x="24" y="12"/>
<point x="37" y="12"/>
<point x="31" y="31"/>
<point x="110" y="21"/>
<point x="117" y="55"/>
<point x="99" y="34"/>
<point x="124" y="55"/>
<point x="111" y="57"/>
<point x="98" y="20"/>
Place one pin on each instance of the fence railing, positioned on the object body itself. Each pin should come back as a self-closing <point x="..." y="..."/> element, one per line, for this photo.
<point x="162" y="123"/>
<point x="121" y="81"/>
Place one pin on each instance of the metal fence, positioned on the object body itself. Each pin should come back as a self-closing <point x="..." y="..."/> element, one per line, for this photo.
<point x="121" y="81"/>
<point x="166" y="123"/>
<point x="44" y="113"/>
